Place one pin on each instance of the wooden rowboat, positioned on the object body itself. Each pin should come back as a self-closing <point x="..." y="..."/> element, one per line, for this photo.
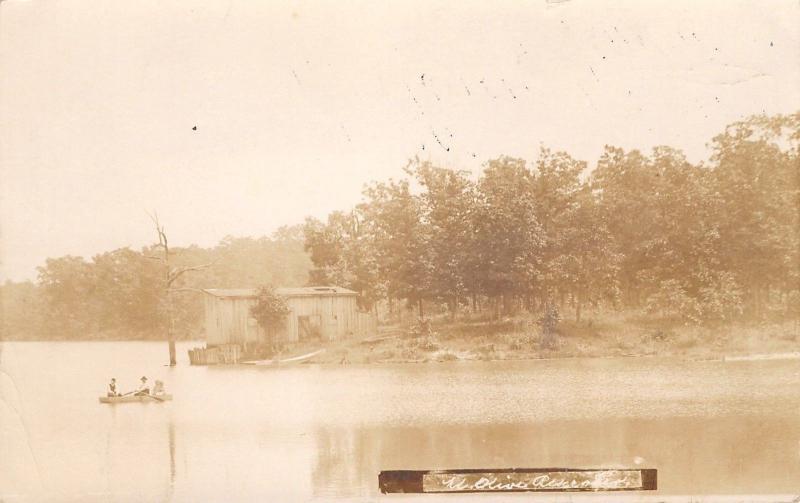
<point x="296" y="359"/>
<point x="135" y="398"/>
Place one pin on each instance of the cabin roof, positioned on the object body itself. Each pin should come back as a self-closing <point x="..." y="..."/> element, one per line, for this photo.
<point x="306" y="291"/>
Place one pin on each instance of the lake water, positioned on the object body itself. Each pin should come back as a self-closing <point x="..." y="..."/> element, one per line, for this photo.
<point x="324" y="432"/>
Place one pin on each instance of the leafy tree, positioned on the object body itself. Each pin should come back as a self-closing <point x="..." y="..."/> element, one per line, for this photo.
<point x="68" y="286"/>
<point x="401" y="241"/>
<point x="671" y="300"/>
<point x="246" y="261"/>
<point x="508" y="235"/>
<point x="127" y="292"/>
<point x="447" y="205"/>
<point x="549" y="324"/>
<point x="721" y="298"/>
<point x="21" y="311"/>
<point x="757" y="176"/>
<point x="324" y="243"/>
<point x="342" y="253"/>
<point x="625" y="186"/>
<point x="578" y="255"/>
<point x="586" y="263"/>
<point x="270" y="310"/>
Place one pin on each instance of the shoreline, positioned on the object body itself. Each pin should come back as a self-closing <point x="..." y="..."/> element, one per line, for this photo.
<point x="609" y="337"/>
<point x="519" y="338"/>
<point x="327" y="357"/>
<point x="684" y="358"/>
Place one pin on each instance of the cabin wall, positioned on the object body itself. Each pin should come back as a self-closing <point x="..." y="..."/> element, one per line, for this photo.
<point x="337" y="317"/>
<point x="329" y="310"/>
<point x="213" y="330"/>
<point x="253" y="334"/>
<point x="228" y="321"/>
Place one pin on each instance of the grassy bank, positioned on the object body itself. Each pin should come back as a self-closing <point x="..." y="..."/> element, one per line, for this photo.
<point x="608" y="335"/>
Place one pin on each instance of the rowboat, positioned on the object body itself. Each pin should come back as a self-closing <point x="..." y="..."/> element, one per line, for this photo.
<point x="135" y="398"/>
<point x="296" y="359"/>
<point x="774" y="356"/>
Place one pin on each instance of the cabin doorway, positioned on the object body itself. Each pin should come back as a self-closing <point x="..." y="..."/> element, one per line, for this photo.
<point x="309" y="327"/>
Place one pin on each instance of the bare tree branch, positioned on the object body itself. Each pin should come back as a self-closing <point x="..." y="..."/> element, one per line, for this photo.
<point x="178" y="272"/>
<point x="161" y="231"/>
<point x="184" y="289"/>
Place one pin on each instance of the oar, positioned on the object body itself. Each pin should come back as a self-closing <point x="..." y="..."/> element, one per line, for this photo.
<point x="151" y="396"/>
<point x="130" y="393"/>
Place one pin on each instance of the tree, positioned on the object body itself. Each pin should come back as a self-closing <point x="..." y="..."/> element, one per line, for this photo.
<point x="569" y="225"/>
<point x="625" y="185"/>
<point x="549" y="323"/>
<point x="671" y="300"/>
<point x="169" y="283"/>
<point x="68" y="286"/>
<point x="401" y="241"/>
<point x="662" y="213"/>
<point x="587" y="262"/>
<point x="757" y="176"/>
<point x="343" y="254"/>
<point x="249" y="261"/>
<point x="21" y="311"/>
<point x="721" y="298"/>
<point x="447" y="205"/>
<point x="508" y="235"/>
<point x="126" y="292"/>
<point x="683" y="244"/>
<point x="270" y="310"/>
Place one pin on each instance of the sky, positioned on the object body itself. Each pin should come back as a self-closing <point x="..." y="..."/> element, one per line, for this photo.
<point x="238" y="117"/>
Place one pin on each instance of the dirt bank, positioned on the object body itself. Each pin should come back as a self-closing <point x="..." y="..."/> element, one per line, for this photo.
<point x="520" y="338"/>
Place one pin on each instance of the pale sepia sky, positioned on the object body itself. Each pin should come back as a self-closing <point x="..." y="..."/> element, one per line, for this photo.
<point x="297" y="105"/>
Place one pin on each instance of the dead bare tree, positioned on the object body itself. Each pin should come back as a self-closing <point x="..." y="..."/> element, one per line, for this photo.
<point x="170" y="275"/>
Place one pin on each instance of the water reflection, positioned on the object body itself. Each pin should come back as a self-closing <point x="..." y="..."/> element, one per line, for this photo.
<point x="135" y="460"/>
<point x="731" y="455"/>
<point x="171" y="435"/>
<point x="248" y="434"/>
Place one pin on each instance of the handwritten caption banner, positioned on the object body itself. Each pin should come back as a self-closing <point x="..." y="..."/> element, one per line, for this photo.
<point x="516" y="480"/>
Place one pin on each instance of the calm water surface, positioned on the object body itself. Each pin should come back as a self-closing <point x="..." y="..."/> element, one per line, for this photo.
<point x="324" y="432"/>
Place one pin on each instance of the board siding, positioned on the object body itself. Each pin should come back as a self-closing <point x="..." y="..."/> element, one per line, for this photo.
<point x="228" y="319"/>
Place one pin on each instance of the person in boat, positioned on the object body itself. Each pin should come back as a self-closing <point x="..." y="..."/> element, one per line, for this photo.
<point x="158" y="389"/>
<point x="143" y="388"/>
<point x="112" y="387"/>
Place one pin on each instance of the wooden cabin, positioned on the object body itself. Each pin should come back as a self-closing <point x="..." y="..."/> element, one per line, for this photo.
<point x="327" y="313"/>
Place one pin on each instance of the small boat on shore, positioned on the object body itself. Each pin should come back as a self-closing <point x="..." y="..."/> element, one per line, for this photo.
<point x="284" y="361"/>
<point x="771" y="356"/>
<point x="135" y="398"/>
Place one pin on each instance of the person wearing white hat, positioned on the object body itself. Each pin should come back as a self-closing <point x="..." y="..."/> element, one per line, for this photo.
<point x="143" y="389"/>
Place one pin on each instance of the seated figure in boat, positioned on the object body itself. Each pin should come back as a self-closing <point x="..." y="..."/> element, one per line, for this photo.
<point x="158" y="389"/>
<point x="143" y="389"/>
<point x="112" y="388"/>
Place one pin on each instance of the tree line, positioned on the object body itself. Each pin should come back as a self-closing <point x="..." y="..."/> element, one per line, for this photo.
<point x="707" y="242"/>
<point x="120" y="294"/>
<point x="700" y="243"/>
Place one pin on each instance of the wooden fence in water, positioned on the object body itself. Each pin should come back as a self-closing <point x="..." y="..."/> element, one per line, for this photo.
<point x="226" y="353"/>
